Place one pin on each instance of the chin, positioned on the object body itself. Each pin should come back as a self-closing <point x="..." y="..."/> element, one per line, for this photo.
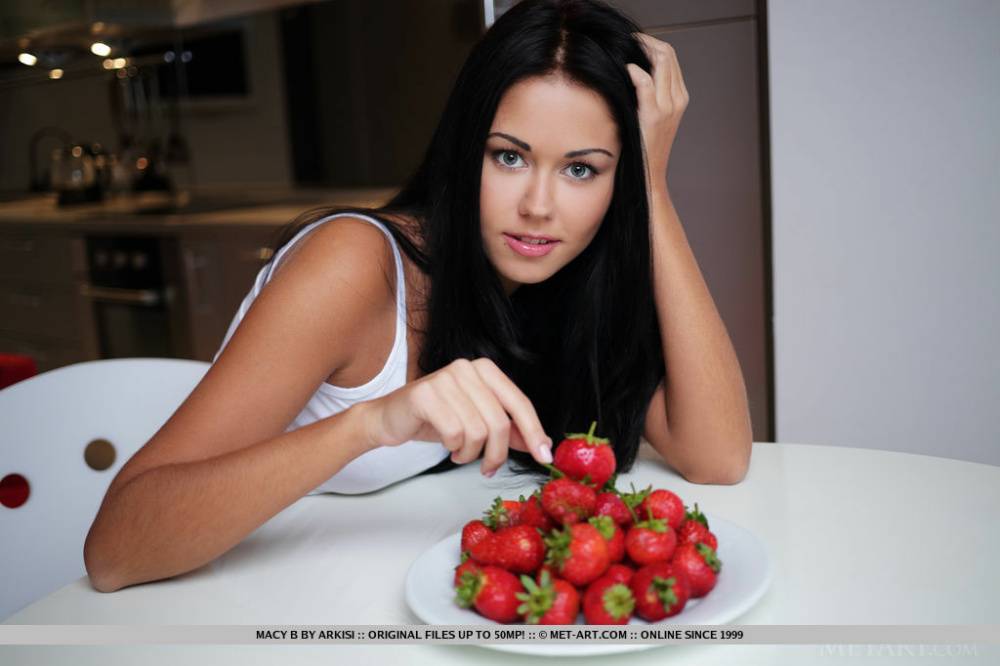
<point x="523" y="277"/>
<point x="509" y="268"/>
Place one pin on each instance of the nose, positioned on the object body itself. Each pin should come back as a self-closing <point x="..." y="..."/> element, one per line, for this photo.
<point x="537" y="199"/>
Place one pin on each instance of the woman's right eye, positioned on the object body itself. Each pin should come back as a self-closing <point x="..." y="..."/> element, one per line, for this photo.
<point x="507" y="158"/>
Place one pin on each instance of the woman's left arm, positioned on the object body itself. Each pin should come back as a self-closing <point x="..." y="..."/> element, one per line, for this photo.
<point x="698" y="419"/>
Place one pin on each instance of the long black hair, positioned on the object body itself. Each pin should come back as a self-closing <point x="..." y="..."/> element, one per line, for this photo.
<point x="583" y="345"/>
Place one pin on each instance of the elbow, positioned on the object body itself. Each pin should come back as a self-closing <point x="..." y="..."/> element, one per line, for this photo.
<point x="102" y="584"/>
<point x="102" y="577"/>
<point x="714" y="478"/>
<point x="721" y="472"/>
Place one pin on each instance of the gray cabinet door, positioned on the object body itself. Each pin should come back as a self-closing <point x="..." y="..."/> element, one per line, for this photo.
<point x="652" y="14"/>
<point x="219" y="269"/>
<point x="717" y="170"/>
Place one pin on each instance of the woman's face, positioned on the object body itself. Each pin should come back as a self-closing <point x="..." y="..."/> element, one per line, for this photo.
<point x="548" y="172"/>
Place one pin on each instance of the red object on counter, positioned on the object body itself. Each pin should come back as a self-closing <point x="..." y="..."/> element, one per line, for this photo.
<point x="14" y="368"/>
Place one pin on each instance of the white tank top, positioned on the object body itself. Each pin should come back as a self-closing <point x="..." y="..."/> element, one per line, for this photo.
<point x="383" y="466"/>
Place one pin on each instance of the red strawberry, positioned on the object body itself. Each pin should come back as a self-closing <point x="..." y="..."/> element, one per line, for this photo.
<point x="467" y="565"/>
<point x="700" y="564"/>
<point x="659" y="591"/>
<point x="694" y="529"/>
<point x="650" y="541"/>
<point x="567" y="501"/>
<point x="613" y="534"/>
<point x="492" y="591"/>
<point x="519" y="549"/>
<point x="532" y="513"/>
<point x="502" y="513"/>
<point x="634" y="499"/>
<point x="474" y="532"/>
<point x="483" y="552"/>
<point x="664" y="505"/>
<point x="578" y="553"/>
<point x="610" y="503"/>
<point x="620" y="572"/>
<point x="550" y="601"/>
<point x="585" y="457"/>
<point x="607" y="601"/>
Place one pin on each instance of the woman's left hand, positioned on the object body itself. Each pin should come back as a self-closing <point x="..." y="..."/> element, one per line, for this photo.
<point x="662" y="101"/>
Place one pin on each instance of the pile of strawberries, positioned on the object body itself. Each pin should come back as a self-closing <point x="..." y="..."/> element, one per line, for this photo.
<point x="578" y="543"/>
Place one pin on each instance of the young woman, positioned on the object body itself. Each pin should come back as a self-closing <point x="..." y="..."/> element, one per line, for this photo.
<point x="531" y="277"/>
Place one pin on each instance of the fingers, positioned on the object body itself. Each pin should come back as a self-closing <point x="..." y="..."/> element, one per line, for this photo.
<point x="663" y="73"/>
<point x="497" y="423"/>
<point x="472" y="406"/>
<point x="668" y="82"/>
<point x="643" y="82"/>
<point x="466" y="440"/>
<point x="431" y="408"/>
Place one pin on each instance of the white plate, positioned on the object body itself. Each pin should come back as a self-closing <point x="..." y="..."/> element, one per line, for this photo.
<point x="745" y="576"/>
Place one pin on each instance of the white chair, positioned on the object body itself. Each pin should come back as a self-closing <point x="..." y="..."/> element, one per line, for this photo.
<point x="46" y="425"/>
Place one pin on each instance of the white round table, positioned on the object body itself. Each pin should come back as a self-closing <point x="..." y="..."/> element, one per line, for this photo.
<point x="855" y="536"/>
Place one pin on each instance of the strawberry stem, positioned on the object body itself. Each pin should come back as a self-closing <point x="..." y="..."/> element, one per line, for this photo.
<point x="604" y="524"/>
<point x="708" y="554"/>
<point x="497" y="515"/>
<point x="589" y="437"/>
<point x="618" y="601"/>
<point x="664" y="588"/>
<point x="538" y="598"/>
<point x="696" y="515"/>
<point x="468" y="589"/>
<point x="554" y="472"/>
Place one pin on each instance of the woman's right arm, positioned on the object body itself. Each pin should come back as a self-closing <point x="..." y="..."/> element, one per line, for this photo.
<point x="222" y="464"/>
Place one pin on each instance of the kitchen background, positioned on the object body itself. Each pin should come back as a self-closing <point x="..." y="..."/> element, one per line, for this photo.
<point x="219" y="122"/>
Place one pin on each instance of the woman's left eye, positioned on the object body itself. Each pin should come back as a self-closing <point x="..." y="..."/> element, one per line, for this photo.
<point x="581" y="171"/>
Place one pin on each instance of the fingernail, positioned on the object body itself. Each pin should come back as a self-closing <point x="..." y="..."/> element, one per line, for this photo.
<point x="545" y="453"/>
<point x="489" y="474"/>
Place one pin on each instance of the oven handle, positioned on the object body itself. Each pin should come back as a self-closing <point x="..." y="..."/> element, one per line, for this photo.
<point x="146" y="297"/>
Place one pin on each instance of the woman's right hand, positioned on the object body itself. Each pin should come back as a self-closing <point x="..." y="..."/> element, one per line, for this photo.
<point x="465" y="405"/>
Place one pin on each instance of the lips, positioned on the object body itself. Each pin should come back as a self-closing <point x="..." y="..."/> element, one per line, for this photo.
<point x="530" y="237"/>
<point x="521" y="245"/>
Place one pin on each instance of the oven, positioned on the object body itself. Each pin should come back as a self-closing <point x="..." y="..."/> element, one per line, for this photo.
<point x="132" y="289"/>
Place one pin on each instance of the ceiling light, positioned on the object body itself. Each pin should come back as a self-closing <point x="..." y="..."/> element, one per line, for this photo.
<point x="55" y="73"/>
<point x="100" y="49"/>
<point x="27" y="59"/>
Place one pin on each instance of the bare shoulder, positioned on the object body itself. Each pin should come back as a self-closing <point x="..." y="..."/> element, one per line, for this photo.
<point x="346" y="239"/>
<point x="302" y="326"/>
<point x="342" y="272"/>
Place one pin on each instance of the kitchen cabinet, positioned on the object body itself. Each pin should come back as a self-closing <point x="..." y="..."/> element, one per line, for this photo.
<point x="653" y="15"/>
<point x="219" y="268"/>
<point x="197" y="264"/>
<point x="46" y="314"/>
<point x="43" y="313"/>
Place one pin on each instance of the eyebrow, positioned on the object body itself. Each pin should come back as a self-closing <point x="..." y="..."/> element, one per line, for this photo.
<point x="524" y="145"/>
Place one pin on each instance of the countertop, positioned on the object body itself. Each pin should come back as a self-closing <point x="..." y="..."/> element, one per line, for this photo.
<point x="855" y="536"/>
<point x="155" y="211"/>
